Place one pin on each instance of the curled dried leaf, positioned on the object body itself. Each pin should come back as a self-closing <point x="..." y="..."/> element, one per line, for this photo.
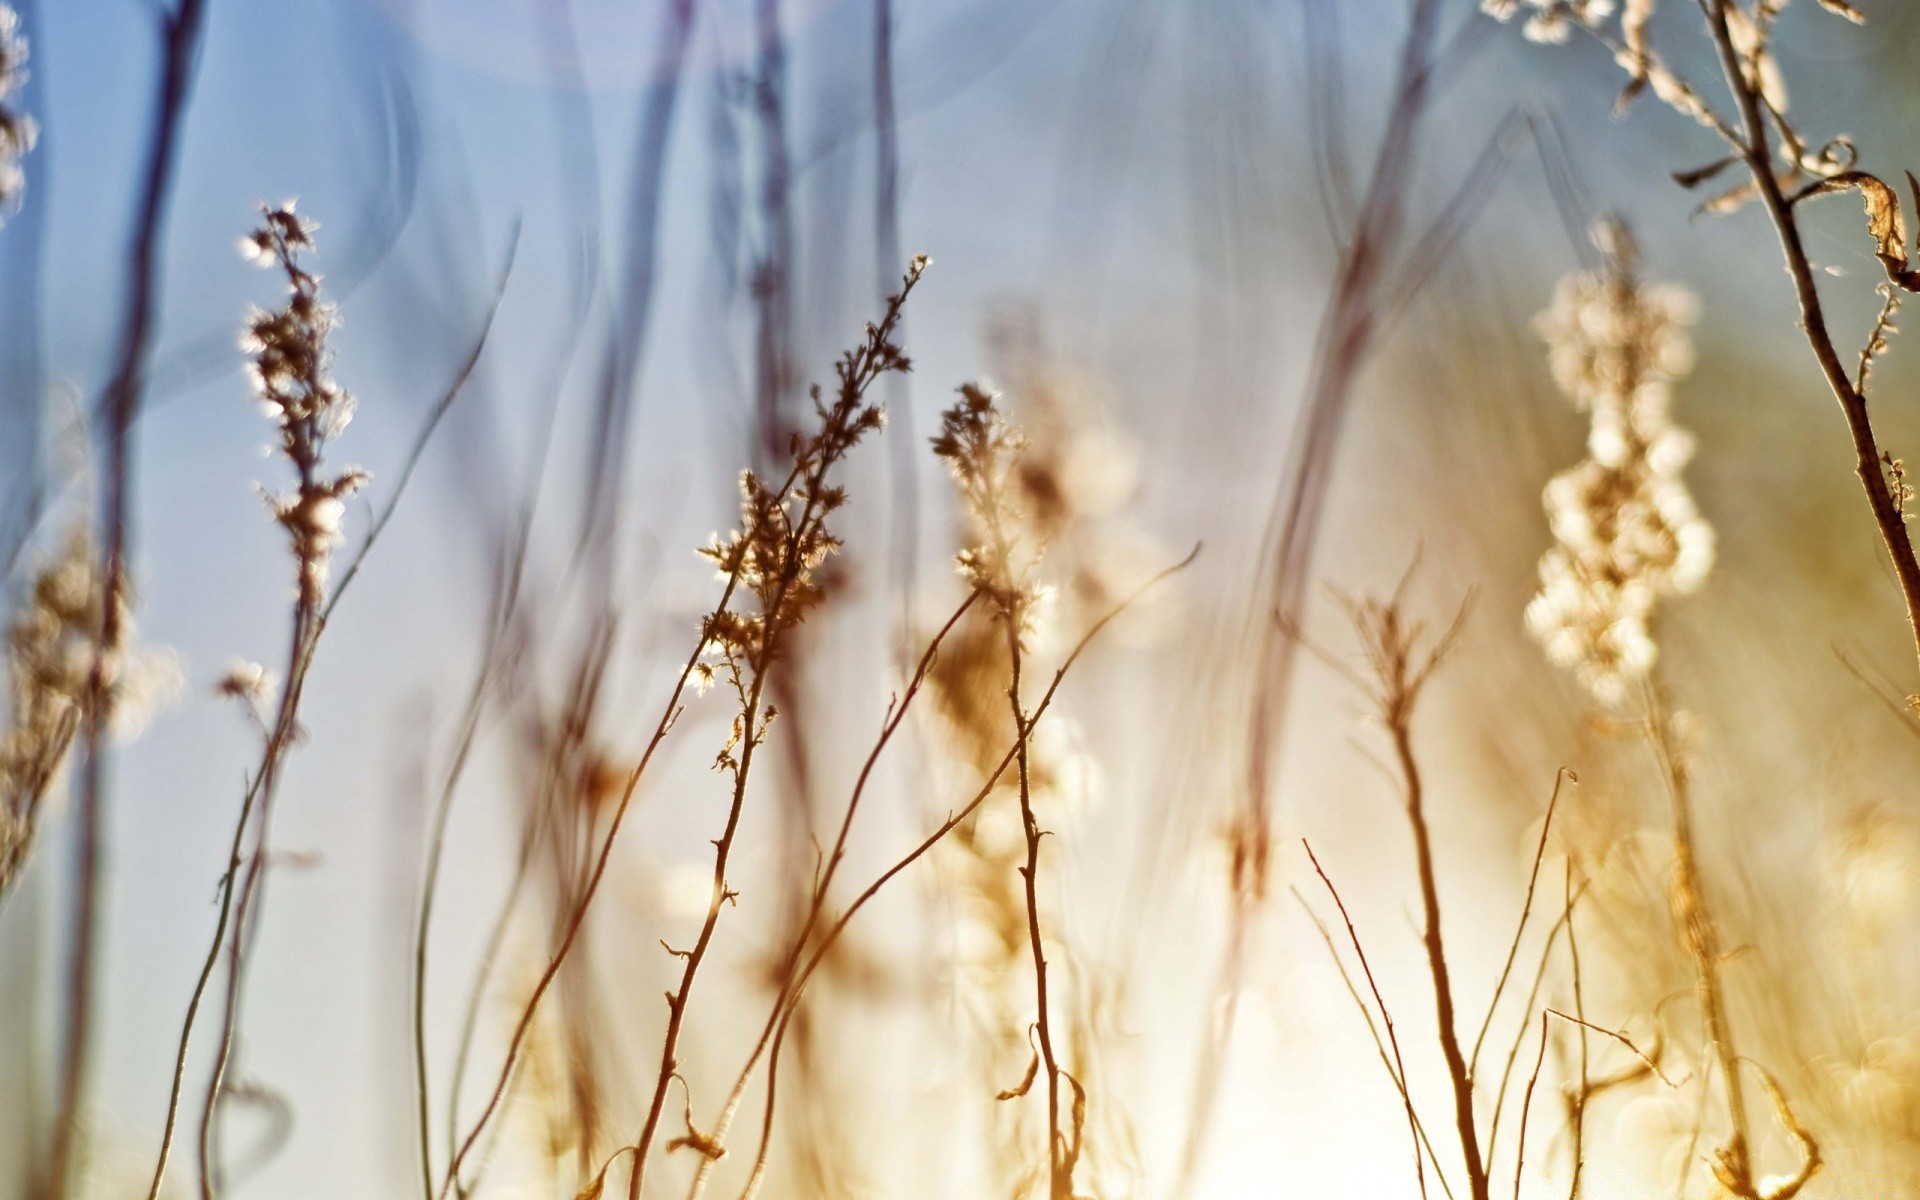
<point x="1026" y="1081"/>
<point x="1786" y="1187"/>
<point x="1885" y="223"/>
<point x="699" y="1143"/>
<point x="1844" y="9"/>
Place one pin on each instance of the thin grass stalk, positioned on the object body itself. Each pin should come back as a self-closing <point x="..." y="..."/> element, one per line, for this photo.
<point x="255" y="814"/>
<point x="1526" y="1107"/>
<point x="1380" y="1046"/>
<point x="1059" y="1166"/>
<point x="1565" y="923"/>
<point x="181" y="45"/>
<point x="469" y="728"/>
<point x="1577" y="1104"/>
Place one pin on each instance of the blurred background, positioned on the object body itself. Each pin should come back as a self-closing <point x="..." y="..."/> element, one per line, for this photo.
<point x="1137" y="214"/>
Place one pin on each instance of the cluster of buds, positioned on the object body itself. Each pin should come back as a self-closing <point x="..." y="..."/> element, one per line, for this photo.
<point x="1626" y="529"/>
<point x="291" y="372"/>
<point x="18" y="132"/>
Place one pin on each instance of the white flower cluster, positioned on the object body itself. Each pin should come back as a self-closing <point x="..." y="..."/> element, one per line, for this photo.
<point x="18" y="132"/>
<point x="1625" y="527"/>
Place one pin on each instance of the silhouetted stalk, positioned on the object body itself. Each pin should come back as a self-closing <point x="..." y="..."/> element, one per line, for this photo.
<point x="1343" y="343"/>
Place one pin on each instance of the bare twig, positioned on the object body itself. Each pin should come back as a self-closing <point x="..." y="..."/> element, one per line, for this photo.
<point x="1386" y="1017"/>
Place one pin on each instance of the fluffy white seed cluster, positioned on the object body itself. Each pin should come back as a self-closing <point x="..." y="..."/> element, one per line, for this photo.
<point x="18" y="132"/>
<point x="1625" y="528"/>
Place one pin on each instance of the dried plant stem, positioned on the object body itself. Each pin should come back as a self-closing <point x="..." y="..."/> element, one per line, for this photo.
<point x="122" y="403"/>
<point x="753" y="725"/>
<point x="841" y="428"/>
<point x="751" y="731"/>
<point x="1400" y="728"/>
<point x="1059" y="1162"/>
<point x="1757" y="153"/>
<point x="1400" y="668"/>
<point x="1702" y="940"/>
<point x="1577" y="1100"/>
<point x="803" y="938"/>
<point x="1503" y="1089"/>
<point x="272" y="750"/>
<point x="256" y="812"/>
<point x="1526" y="1107"/>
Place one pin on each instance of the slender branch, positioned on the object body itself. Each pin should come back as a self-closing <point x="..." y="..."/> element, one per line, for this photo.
<point x="1757" y="153"/>
<point x="1526" y="1107"/>
<point x="1386" y="1017"/>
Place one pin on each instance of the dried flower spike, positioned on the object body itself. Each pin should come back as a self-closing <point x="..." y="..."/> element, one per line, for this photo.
<point x="292" y="379"/>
